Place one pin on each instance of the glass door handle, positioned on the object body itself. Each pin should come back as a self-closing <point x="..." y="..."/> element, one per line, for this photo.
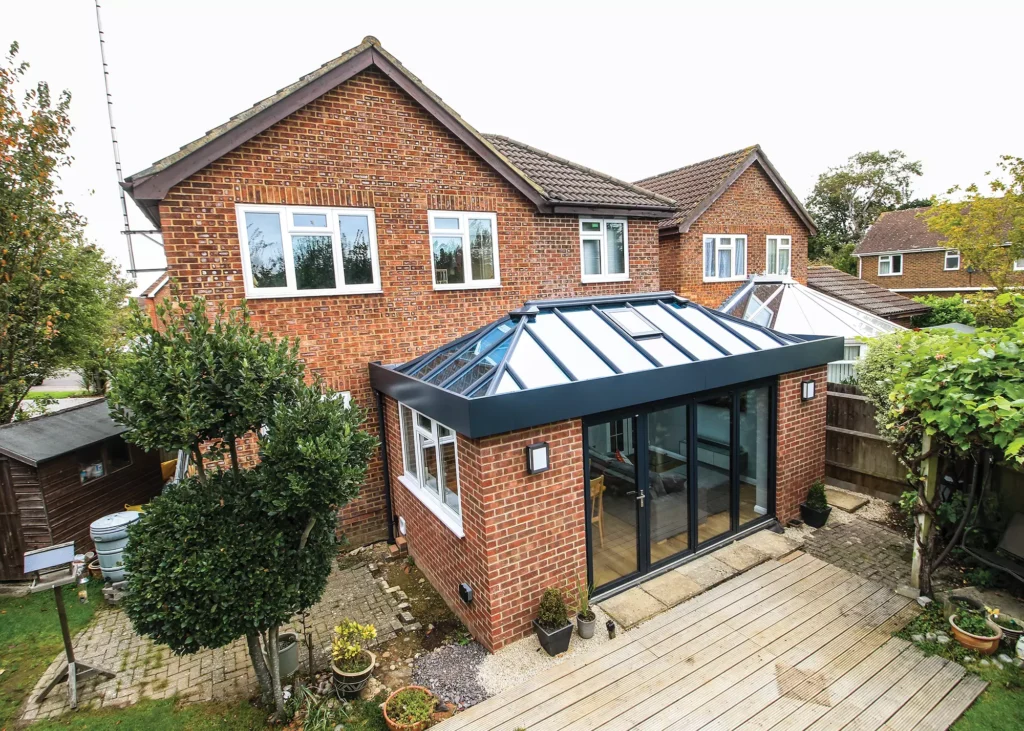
<point x="639" y="496"/>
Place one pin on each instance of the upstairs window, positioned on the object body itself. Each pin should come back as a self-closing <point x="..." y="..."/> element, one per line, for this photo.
<point x="890" y="265"/>
<point x="604" y="250"/>
<point x="297" y="251"/>
<point x="952" y="261"/>
<point x="780" y="250"/>
<point x="725" y="257"/>
<point x="464" y="249"/>
<point x="431" y="465"/>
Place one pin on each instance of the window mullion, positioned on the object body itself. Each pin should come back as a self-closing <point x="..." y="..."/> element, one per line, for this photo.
<point x="467" y="259"/>
<point x="603" y="255"/>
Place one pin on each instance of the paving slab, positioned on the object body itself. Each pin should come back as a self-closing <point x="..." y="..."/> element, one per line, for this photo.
<point x="772" y="544"/>
<point x="632" y="607"/>
<point x="740" y="556"/>
<point x="707" y="571"/>
<point x="671" y="588"/>
<point x="844" y="500"/>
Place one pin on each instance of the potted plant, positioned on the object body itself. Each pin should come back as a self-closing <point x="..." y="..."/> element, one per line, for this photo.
<point x="976" y="632"/>
<point x="1011" y="626"/>
<point x="815" y="510"/>
<point x="351" y="662"/>
<point x="409" y="709"/>
<point x="585" y="617"/>
<point x="552" y="624"/>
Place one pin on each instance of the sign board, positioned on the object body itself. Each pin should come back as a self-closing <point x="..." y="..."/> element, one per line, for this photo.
<point x="50" y="557"/>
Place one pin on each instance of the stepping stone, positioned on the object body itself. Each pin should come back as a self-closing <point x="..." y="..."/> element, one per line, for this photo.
<point x="632" y="607"/>
<point x="707" y="571"/>
<point x="844" y="500"/>
<point x="773" y="544"/>
<point x="672" y="588"/>
<point x="740" y="556"/>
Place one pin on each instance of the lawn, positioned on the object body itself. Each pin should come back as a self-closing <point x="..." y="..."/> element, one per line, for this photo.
<point x="159" y="715"/>
<point x="30" y="639"/>
<point x="35" y="395"/>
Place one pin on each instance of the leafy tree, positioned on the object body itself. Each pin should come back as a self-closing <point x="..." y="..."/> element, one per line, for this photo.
<point x="58" y="294"/>
<point x="944" y="310"/>
<point x="233" y="552"/>
<point x="847" y="199"/>
<point x="987" y="226"/>
<point x="983" y="310"/>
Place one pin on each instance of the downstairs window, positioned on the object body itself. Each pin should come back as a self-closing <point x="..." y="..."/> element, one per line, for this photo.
<point x="430" y="462"/>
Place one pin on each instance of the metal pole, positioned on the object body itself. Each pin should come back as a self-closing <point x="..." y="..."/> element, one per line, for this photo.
<point x="113" y="140"/>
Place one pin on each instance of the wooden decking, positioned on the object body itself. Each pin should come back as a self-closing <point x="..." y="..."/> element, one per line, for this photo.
<point x="791" y="644"/>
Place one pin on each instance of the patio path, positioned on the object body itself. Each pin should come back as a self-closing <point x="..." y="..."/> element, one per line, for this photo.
<point x="793" y="643"/>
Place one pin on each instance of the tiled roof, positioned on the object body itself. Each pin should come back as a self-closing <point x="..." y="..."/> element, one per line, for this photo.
<point x="568" y="182"/>
<point x="899" y="231"/>
<point x="862" y="294"/>
<point x="692" y="185"/>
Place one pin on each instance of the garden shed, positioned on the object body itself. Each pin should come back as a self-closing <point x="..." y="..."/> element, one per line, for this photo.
<point x="595" y="439"/>
<point x="61" y="471"/>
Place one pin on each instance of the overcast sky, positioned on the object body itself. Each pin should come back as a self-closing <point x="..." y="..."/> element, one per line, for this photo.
<point x="630" y="88"/>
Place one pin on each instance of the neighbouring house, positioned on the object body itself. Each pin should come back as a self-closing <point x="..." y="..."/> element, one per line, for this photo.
<point x="61" y="471"/>
<point x="549" y="414"/>
<point x="864" y="295"/>
<point x="899" y="252"/>
<point x="154" y="294"/>
<point x="736" y="217"/>
<point x="788" y="306"/>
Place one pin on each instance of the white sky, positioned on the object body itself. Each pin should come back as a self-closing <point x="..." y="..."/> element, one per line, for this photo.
<point x="630" y="88"/>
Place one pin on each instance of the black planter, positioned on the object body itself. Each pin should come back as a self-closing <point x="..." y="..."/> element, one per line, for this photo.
<point x="554" y="643"/>
<point x="814" y="517"/>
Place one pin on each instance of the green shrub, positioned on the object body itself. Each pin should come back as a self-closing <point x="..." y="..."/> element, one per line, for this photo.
<point x="411" y="705"/>
<point x="552" y="615"/>
<point x="816" y="496"/>
<point x="1007" y="622"/>
<point x="944" y="311"/>
<point x="974" y="623"/>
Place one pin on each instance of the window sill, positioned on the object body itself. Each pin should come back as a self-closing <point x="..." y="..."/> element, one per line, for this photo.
<point x="711" y="280"/>
<point x="601" y="280"/>
<point x="897" y="274"/>
<point x="450" y="521"/>
<point x="257" y="295"/>
<point x="471" y="285"/>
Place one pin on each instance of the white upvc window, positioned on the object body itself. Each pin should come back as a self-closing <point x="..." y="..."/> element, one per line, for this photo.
<point x="725" y="257"/>
<point x="430" y="460"/>
<point x="779" y="256"/>
<point x="951" y="262"/>
<point x="890" y="265"/>
<point x="1018" y="265"/>
<point x="304" y="251"/>
<point x="464" y="249"/>
<point x="604" y="250"/>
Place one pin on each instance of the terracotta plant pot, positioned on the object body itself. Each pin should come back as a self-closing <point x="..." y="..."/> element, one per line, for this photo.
<point x="395" y="725"/>
<point x="94" y="570"/>
<point x="982" y="645"/>
<point x="350" y="684"/>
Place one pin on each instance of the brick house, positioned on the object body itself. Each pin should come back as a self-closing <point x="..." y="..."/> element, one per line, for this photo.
<point x="736" y="217"/>
<point x="900" y="253"/>
<point x="355" y="210"/>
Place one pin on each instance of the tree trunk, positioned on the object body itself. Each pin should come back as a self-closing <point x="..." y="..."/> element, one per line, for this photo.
<point x="924" y="531"/>
<point x="197" y="458"/>
<point x="275" y="674"/>
<point x="233" y="449"/>
<point x="252" y="640"/>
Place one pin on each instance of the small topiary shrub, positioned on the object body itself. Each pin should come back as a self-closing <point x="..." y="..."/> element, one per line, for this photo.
<point x="411" y="706"/>
<point x="552" y="615"/>
<point x="816" y="496"/>
<point x="347" y="651"/>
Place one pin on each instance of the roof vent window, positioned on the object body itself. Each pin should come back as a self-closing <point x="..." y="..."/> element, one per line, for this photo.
<point x="635" y="324"/>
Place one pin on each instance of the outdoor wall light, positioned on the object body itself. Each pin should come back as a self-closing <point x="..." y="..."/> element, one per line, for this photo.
<point x="806" y="390"/>
<point x="537" y="458"/>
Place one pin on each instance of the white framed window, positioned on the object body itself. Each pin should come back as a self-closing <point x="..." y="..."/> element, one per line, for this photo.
<point x="725" y="257"/>
<point x="430" y="461"/>
<point x="951" y="262"/>
<point x="604" y="250"/>
<point x="845" y="370"/>
<point x="303" y="251"/>
<point x="890" y="265"/>
<point x="779" y="255"/>
<point x="1018" y="265"/>
<point x="464" y="249"/>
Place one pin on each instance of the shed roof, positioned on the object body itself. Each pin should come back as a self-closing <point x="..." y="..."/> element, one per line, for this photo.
<point x="53" y="435"/>
<point x="556" y="359"/>
<point x="863" y="294"/>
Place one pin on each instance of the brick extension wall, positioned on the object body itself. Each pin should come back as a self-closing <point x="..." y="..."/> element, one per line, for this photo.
<point x="753" y="206"/>
<point x="367" y="144"/>
<point x="924" y="270"/>
<point x="801" y="441"/>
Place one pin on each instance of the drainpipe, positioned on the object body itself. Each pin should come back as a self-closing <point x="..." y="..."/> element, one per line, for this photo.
<point x="387" y="470"/>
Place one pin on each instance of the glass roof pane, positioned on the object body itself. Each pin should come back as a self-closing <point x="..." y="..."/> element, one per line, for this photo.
<point x="613" y="345"/>
<point x="631" y="322"/>
<point x="702" y="349"/>
<point x="533" y="366"/>
<point x="666" y="353"/>
<point x="488" y="364"/>
<point x="475" y="349"/>
<point x="436" y="360"/>
<point x="754" y="335"/>
<point x="506" y="384"/>
<point x="563" y="342"/>
<point x="713" y="330"/>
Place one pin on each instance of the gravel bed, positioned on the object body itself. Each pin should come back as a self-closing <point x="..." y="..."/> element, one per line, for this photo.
<point x="450" y="672"/>
<point x="876" y="509"/>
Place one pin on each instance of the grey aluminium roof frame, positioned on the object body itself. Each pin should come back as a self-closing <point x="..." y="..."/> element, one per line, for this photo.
<point x="488" y="413"/>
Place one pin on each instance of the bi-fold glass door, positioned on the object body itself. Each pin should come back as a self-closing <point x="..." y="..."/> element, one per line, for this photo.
<point x="668" y="479"/>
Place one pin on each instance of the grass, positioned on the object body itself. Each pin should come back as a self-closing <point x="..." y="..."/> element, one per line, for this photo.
<point x="36" y="395"/>
<point x="1001" y="706"/>
<point x="30" y="639"/>
<point x="154" y="715"/>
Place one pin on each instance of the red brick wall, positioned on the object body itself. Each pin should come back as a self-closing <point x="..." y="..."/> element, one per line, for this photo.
<point x="753" y="206"/>
<point x="367" y="144"/>
<point x="801" y="441"/>
<point x="925" y="270"/>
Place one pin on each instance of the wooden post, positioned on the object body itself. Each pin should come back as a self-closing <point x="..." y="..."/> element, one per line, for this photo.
<point x="923" y="527"/>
